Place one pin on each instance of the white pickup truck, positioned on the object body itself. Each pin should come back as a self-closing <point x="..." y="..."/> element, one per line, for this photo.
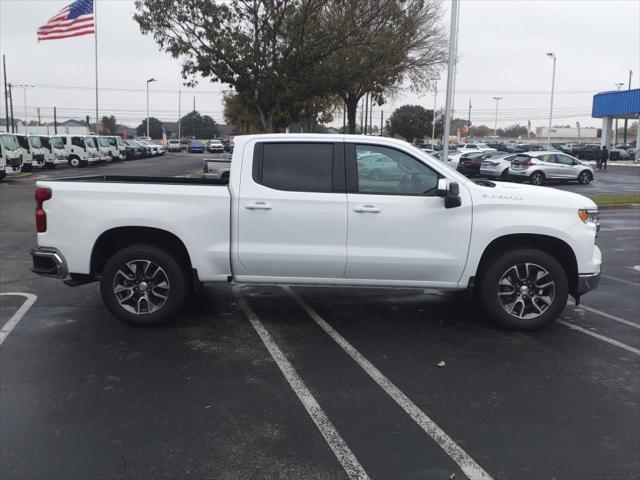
<point x="306" y="209"/>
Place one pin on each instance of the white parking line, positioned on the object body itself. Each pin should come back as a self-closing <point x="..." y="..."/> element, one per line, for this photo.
<point x="343" y="453"/>
<point x="610" y="341"/>
<point x="470" y="468"/>
<point x="606" y="315"/>
<point x="16" y="317"/>
<point x="621" y="280"/>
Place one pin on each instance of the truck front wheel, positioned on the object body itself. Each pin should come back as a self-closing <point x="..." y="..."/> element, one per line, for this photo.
<point x="143" y="285"/>
<point x="524" y="289"/>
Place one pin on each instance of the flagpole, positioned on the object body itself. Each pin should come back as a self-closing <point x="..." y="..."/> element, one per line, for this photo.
<point x="95" y="20"/>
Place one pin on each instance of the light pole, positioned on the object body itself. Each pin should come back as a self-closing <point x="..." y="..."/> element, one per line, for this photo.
<point x="148" y="82"/>
<point x="451" y="72"/>
<point x="625" y="120"/>
<point x="553" y="86"/>
<point x="615" y="135"/>
<point x="495" y="126"/>
<point x="24" y="87"/>
<point x="433" y="122"/>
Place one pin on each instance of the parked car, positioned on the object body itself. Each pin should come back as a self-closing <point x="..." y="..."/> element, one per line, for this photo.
<point x="134" y="150"/>
<point x="10" y="154"/>
<point x="81" y="150"/>
<point x="216" y="167"/>
<point x="497" y="166"/>
<point x="153" y="149"/>
<point x="538" y="167"/>
<point x="619" y="154"/>
<point x="215" y="146"/>
<point x="586" y="152"/>
<point x="174" y="145"/>
<point x="469" y="163"/>
<point x="195" y="146"/>
<point x="522" y="249"/>
<point x="54" y="152"/>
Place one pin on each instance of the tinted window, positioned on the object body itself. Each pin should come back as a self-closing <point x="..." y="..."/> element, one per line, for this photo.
<point x="383" y="170"/>
<point x="301" y="167"/>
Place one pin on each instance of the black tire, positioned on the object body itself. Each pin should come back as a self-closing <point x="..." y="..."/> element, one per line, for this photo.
<point x="505" y="175"/>
<point x="490" y="288"/>
<point x="585" y="177"/>
<point x="172" y="272"/>
<point x="536" y="178"/>
<point x="2" y="174"/>
<point x="26" y="167"/>
<point x="74" y="161"/>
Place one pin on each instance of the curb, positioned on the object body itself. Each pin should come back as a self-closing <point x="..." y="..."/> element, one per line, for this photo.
<point x="621" y="206"/>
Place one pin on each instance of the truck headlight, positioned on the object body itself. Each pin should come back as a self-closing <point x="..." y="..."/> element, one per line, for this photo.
<point x="589" y="216"/>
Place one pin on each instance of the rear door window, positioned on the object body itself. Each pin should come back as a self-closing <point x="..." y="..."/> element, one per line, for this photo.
<point x="298" y="167"/>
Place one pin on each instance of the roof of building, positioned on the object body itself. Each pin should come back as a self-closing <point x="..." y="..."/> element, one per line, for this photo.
<point x="621" y="104"/>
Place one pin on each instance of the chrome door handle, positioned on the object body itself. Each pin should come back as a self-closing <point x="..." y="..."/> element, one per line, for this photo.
<point x="367" y="209"/>
<point x="258" y="206"/>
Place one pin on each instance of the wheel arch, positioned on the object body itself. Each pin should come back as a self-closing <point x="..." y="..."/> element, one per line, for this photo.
<point x="115" y="239"/>
<point x="554" y="246"/>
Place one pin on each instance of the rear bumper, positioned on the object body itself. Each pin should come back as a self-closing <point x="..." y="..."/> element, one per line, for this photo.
<point x="48" y="262"/>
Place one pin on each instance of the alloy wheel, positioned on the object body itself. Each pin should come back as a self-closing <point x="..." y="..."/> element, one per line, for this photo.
<point x="141" y="287"/>
<point x="526" y="290"/>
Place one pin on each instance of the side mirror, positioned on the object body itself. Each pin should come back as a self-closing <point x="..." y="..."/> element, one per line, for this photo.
<point x="450" y="191"/>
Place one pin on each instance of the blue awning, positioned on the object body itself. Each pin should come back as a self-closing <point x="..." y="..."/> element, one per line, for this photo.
<point x="621" y="104"/>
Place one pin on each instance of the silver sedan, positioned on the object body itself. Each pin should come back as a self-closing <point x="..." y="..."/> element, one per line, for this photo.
<point x="537" y="167"/>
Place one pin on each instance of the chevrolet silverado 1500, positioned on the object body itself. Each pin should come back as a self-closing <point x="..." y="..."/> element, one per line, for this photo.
<point x="315" y="209"/>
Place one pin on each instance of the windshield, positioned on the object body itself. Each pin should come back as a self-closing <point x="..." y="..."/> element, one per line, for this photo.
<point x="9" y="142"/>
<point x="104" y="142"/>
<point x="89" y="142"/>
<point x="35" y="142"/>
<point x="57" y="142"/>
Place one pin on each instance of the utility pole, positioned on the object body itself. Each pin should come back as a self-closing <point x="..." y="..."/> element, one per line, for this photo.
<point x="344" y="117"/>
<point x="495" y="127"/>
<point x="179" y="115"/>
<point x="148" y="82"/>
<point x="451" y="71"/>
<point x="615" y="135"/>
<point x="39" y="122"/>
<point x="469" y="120"/>
<point x="381" y="121"/>
<point x="13" y="122"/>
<point x="24" y="87"/>
<point x="433" y="120"/>
<point x="361" y="117"/>
<point x="55" y="121"/>
<point x="371" y="115"/>
<point x="625" y="120"/>
<point x="6" y="93"/>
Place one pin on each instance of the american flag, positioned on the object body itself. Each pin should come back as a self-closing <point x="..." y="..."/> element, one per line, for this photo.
<point x="73" y="20"/>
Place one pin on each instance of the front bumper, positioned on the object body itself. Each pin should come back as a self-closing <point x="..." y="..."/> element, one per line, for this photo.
<point x="48" y="262"/>
<point x="586" y="283"/>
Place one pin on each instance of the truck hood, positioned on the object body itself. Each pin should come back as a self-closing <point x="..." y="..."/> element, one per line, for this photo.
<point x="507" y="192"/>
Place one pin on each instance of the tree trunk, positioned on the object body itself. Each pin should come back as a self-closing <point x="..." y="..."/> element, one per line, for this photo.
<point x="352" y="106"/>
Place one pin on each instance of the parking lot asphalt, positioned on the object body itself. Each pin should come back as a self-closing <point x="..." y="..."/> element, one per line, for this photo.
<point x="225" y="390"/>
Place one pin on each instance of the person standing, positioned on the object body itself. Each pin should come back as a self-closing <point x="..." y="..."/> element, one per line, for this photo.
<point x="604" y="158"/>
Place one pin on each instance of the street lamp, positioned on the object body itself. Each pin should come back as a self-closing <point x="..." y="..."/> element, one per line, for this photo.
<point x="148" y="82"/>
<point x="24" y="87"/>
<point x="495" y="126"/>
<point x="553" y="86"/>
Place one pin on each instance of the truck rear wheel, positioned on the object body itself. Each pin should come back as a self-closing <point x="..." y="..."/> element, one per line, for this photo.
<point x="143" y="285"/>
<point x="524" y="289"/>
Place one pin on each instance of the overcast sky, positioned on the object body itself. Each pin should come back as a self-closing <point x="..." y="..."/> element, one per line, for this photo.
<point x="502" y="47"/>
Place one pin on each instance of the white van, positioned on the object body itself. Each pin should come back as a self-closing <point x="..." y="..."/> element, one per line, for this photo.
<point x="54" y="153"/>
<point x="10" y="156"/>
<point x="81" y="150"/>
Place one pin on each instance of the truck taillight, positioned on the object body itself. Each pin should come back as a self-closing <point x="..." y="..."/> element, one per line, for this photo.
<point x="42" y="195"/>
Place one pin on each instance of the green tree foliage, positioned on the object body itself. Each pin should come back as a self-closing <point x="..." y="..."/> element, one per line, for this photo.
<point x="410" y="122"/>
<point x="198" y="126"/>
<point x="280" y="57"/>
<point x="155" y="128"/>
<point x="109" y="125"/>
